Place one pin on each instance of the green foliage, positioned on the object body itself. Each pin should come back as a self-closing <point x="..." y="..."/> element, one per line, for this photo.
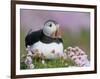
<point x="53" y="63"/>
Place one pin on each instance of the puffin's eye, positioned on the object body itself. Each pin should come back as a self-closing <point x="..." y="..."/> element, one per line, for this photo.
<point x="50" y="25"/>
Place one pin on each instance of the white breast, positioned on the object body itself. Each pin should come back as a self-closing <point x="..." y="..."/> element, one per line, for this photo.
<point x="50" y="51"/>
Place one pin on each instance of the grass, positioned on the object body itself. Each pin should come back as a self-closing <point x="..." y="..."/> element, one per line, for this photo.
<point x="83" y="41"/>
<point x="57" y="63"/>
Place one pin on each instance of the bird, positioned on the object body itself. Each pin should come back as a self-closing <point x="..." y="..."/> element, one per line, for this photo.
<point x="48" y="40"/>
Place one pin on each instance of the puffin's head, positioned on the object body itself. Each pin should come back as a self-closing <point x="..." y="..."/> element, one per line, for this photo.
<point x="51" y="29"/>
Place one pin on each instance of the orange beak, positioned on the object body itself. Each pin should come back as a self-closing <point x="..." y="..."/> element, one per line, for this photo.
<point x="58" y="33"/>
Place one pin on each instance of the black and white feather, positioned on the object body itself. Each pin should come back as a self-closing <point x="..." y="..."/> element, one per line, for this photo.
<point x="46" y="40"/>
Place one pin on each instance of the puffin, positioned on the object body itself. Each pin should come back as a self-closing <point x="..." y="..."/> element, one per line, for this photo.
<point x="47" y="40"/>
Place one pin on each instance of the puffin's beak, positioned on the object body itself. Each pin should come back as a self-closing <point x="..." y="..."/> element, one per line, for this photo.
<point x="58" y="32"/>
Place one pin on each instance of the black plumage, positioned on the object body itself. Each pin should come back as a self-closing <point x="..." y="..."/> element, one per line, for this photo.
<point x="36" y="36"/>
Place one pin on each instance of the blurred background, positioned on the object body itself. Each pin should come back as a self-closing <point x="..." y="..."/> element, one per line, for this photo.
<point x="75" y="26"/>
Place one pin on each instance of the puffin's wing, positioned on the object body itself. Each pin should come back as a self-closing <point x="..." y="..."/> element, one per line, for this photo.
<point x="33" y="37"/>
<point x="60" y="39"/>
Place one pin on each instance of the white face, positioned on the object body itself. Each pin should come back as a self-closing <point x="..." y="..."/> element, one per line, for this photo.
<point x="50" y="28"/>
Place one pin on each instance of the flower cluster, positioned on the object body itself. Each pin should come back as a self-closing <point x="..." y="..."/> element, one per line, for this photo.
<point x="33" y="54"/>
<point x="78" y="56"/>
<point x="28" y="60"/>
